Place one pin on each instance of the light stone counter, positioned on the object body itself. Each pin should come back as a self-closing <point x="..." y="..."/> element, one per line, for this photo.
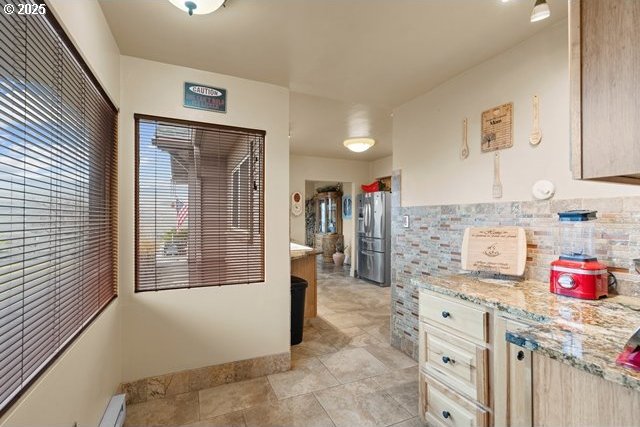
<point x="587" y="335"/>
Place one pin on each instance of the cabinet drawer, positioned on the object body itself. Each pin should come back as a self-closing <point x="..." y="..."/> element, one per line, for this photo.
<point x="465" y="320"/>
<point x="444" y="407"/>
<point x="463" y="365"/>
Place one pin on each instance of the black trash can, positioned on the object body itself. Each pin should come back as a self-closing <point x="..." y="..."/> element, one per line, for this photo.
<point x="298" y="292"/>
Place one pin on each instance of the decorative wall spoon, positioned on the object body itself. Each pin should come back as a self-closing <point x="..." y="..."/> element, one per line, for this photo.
<point x="464" y="151"/>
<point x="497" y="184"/>
<point x="536" y="135"/>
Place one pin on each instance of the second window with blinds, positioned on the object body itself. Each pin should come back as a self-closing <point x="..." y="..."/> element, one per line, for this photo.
<point x="199" y="204"/>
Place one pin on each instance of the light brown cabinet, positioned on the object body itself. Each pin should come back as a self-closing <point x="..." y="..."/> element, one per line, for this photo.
<point x="513" y="378"/>
<point x="605" y="89"/>
<point x="469" y="374"/>
<point x="454" y="362"/>
<point x="569" y="397"/>
<point x="472" y="379"/>
<point x="442" y="406"/>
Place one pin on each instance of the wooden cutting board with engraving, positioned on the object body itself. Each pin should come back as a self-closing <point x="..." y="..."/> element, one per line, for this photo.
<point x="500" y="250"/>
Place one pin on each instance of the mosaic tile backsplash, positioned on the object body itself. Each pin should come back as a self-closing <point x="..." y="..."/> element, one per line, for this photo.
<point x="431" y="245"/>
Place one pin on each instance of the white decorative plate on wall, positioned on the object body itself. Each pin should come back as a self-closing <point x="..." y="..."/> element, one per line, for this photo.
<point x="296" y="204"/>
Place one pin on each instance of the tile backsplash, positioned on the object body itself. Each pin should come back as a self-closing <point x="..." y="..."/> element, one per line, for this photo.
<point x="430" y="246"/>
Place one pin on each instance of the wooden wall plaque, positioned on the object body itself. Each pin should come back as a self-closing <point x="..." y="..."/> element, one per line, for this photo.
<point x="500" y="250"/>
<point x="497" y="128"/>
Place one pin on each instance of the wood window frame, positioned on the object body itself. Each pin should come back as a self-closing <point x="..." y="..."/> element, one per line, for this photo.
<point x="69" y="46"/>
<point x="182" y="122"/>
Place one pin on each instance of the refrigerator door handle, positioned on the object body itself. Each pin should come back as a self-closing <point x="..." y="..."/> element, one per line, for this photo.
<point x="367" y="217"/>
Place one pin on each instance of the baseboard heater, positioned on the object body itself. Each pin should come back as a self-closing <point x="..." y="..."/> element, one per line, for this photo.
<point x="115" y="413"/>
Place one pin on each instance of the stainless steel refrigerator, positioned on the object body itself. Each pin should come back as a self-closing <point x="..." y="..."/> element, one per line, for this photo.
<point x="374" y="237"/>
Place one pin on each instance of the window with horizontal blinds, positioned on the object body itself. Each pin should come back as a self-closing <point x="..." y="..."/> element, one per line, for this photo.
<point x="57" y="197"/>
<point x="199" y="204"/>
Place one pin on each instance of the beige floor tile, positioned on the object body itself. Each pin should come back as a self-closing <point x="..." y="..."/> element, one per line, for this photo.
<point x="313" y="346"/>
<point x="341" y="306"/>
<point x="391" y="357"/>
<point x="361" y="403"/>
<point x="380" y="330"/>
<point x="352" y="365"/>
<point x="402" y="386"/>
<point x="171" y="411"/>
<point x="340" y="341"/>
<point x="398" y="377"/>
<point x="347" y="320"/>
<point x="344" y="369"/>
<point x="352" y="331"/>
<point x="311" y="332"/>
<point x="307" y="375"/>
<point x="413" y="422"/>
<point x="321" y="324"/>
<point x="233" y="419"/>
<point x="234" y="397"/>
<point x="296" y="411"/>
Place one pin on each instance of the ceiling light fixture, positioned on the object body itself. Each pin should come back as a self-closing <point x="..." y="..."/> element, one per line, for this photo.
<point x="358" y="145"/>
<point x="540" y="11"/>
<point x="199" y="7"/>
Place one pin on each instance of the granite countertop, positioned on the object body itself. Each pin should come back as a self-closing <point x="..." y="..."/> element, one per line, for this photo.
<point x="297" y="251"/>
<point x="588" y="335"/>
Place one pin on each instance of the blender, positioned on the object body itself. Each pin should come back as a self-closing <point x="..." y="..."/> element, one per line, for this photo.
<point x="577" y="273"/>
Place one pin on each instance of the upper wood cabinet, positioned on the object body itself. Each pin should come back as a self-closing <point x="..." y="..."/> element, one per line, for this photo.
<point x="605" y="89"/>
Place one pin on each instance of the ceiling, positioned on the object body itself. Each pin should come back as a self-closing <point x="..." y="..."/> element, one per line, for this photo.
<point x="319" y="126"/>
<point x="368" y="55"/>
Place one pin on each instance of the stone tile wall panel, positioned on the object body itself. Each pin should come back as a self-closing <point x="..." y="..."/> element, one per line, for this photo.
<point x="431" y="245"/>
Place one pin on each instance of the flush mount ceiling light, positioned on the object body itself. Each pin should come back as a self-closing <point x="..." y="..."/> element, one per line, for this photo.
<point x="358" y="145"/>
<point x="199" y="7"/>
<point x="540" y="11"/>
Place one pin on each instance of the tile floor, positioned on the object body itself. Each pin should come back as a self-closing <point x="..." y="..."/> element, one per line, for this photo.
<point x="344" y="374"/>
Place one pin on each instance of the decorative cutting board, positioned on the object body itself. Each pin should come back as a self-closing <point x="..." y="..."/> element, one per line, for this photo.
<point x="501" y="250"/>
<point x="497" y="128"/>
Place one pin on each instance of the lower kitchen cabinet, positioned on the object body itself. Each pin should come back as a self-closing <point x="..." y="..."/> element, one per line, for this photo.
<point x="460" y="363"/>
<point x="443" y="407"/>
<point x="569" y="397"/>
<point x="469" y="374"/>
<point x="513" y="377"/>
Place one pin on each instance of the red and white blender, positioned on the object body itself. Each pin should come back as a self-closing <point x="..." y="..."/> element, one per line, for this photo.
<point x="578" y="273"/>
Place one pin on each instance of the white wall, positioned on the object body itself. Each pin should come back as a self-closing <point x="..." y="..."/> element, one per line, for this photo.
<point x="77" y="387"/>
<point x="427" y="131"/>
<point x="182" y="329"/>
<point x="380" y="168"/>
<point x="87" y="27"/>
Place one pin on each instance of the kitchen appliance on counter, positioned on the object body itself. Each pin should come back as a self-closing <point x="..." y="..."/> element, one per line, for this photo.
<point x="374" y="237"/>
<point x="577" y="273"/>
<point x="630" y="356"/>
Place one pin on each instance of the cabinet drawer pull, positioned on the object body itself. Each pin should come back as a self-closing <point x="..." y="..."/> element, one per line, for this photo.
<point x="520" y="355"/>
<point x="446" y="314"/>
<point x="447" y="359"/>
<point x="446" y="414"/>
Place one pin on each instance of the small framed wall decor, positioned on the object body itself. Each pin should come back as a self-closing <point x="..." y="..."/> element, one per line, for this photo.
<point x="347" y="207"/>
<point x="497" y="128"/>
<point x="203" y="97"/>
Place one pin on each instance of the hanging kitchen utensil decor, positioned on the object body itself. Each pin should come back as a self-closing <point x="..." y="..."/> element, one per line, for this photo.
<point x="536" y="135"/>
<point x="497" y="184"/>
<point x="464" y="151"/>
<point x="497" y="128"/>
